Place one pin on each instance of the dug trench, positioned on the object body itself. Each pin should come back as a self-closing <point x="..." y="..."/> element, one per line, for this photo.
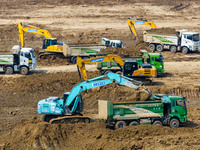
<point x="19" y="104"/>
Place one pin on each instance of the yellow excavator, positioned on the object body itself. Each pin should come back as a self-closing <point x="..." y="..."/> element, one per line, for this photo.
<point x="50" y="44"/>
<point x="132" y="21"/>
<point x="129" y="69"/>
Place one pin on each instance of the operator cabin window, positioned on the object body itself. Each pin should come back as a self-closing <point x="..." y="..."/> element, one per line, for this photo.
<point x="22" y="54"/>
<point x="27" y="55"/>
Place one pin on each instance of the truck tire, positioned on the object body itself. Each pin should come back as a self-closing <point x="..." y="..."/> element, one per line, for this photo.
<point x="119" y="72"/>
<point x="9" y="70"/>
<point x="152" y="47"/>
<point x="24" y="70"/>
<point x="173" y="49"/>
<point x="133" y="123"/>
<point x="158" y="122"/>
<point x="174" y="123"/>
<point x="74" y="60"/>
<point x="185" y="50"/>
<point x="107" y="71"/>
<point x="159" y="48"/>
<point x="120" y="124"/>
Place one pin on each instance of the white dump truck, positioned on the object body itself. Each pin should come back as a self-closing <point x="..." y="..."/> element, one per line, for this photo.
<point x="183" y="41"/>
<point x="21" y="60"/>
<point x="112" y="43"/>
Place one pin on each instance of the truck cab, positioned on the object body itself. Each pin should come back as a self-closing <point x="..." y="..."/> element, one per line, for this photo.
<point x="24" y="59"/>
<point x="112" y="43"/>
<point x="155" y="59"/>
<point x="189" y="41"/>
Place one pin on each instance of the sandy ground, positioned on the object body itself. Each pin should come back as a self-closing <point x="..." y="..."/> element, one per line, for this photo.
<point x="85" y="21"/>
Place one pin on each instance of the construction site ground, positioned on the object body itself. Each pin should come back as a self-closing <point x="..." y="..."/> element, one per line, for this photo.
<point x="80" y="22"/>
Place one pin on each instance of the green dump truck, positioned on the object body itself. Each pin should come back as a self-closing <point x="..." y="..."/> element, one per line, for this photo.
<point x="155" y="59"/>
<point x="161" y="110"/>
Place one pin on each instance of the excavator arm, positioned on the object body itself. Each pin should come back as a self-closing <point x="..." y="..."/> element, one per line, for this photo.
<point x="32" y="29"/>
<point x="132" y="21"/>
<point x="106" y="58"/>
<point x="73" y="97"/>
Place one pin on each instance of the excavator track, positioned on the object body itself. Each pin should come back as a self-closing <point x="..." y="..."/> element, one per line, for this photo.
<point x="46" y="55"/>
<point x="70" y="119"/>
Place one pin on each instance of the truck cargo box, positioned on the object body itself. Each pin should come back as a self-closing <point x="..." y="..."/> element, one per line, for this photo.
<point x="160" y="38"/>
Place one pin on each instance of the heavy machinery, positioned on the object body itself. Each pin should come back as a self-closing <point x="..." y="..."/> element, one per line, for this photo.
<point x="182" y="40"/>
<point x="155" y="59"/>
<point x="160" y="110"/>
<point x="112" y="43"/>
<point x="50" y="44"/>
<point x="21" y="60"/>
<point x="132" y="21"/>
<point x="52" y="47"/>
<point x="69" y="107"/>
<point x="129" y="69"/>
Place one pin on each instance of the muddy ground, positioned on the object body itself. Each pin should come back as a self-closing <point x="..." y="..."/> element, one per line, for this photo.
<point x="85" y="21"/>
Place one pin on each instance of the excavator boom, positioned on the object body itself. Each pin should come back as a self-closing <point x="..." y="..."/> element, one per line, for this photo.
<point x="132" y="21"/>
<point x="32" y="29"/>
<point x="71" y="103"/>
<point x="105" y="58"/>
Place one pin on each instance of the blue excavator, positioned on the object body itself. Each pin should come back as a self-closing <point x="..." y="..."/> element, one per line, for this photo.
<point x="68" y="108"/>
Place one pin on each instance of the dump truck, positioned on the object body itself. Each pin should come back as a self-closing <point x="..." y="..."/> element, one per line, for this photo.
<point x="112" y="43"/>
<point x="21" y="60"/>
<point x="183" y="41"/>
<point x="154" y="59"/>
<point x="84" y="51"/>
<point x="51" y="46"/>
<point x="160" y="110"/>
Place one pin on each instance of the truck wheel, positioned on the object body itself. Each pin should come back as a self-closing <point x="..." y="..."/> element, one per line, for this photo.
<point x="157" y="122"/>
<point x="120" y="124"/>
<point x="173" y="49"/>
<point x="152" y="47"/>
<point x="74" y="60"/>
<point x="119" y="72"/>
<point x="24" y="70"/>
<point x="9" y="70"/>
<point x="159" y="48"/>
<point x="134" y="123"/>
<point x="174" y="123"/>
<point x="185" y="50"/>
<point x="107" y="71"/>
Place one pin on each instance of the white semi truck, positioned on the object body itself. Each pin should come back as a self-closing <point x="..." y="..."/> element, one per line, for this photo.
<point x="183" y="41"/>
<point x="21" y="60"/>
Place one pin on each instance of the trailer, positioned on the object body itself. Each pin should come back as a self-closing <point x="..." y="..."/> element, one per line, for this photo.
<point x="183" y="41"/>
<point x="21" y="60"/>
<point x="160" y="110"/>
<point x="154" y="59"/>
<point x="84" y="51"/>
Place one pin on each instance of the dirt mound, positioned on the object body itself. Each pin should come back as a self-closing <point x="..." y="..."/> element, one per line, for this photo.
<point x="129" y="51"/>
<point x="168" y="31"/>
<point x="33" y="134"/>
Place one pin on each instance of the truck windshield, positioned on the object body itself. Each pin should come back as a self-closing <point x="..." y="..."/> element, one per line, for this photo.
<point x="196" y="37"/>
<point x="180" y="103"/>
<point x="158" y="59"/>
<point x="28" y="55"/>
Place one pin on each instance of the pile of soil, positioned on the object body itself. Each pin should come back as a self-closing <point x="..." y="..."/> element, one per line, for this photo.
<point x="34" y="134"/>
<point x="168" y="31"/>
<point x="133" y="51"/>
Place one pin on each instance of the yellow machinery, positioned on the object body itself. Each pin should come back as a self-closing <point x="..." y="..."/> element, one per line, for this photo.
<point x="50" y="44"/>
<point x="128" y="69"/>
<point x="132" y="21"/>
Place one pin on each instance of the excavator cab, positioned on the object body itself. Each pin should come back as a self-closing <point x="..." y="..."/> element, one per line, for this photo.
<point x="129" y="68"/>
<point x="49" y="42"/>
